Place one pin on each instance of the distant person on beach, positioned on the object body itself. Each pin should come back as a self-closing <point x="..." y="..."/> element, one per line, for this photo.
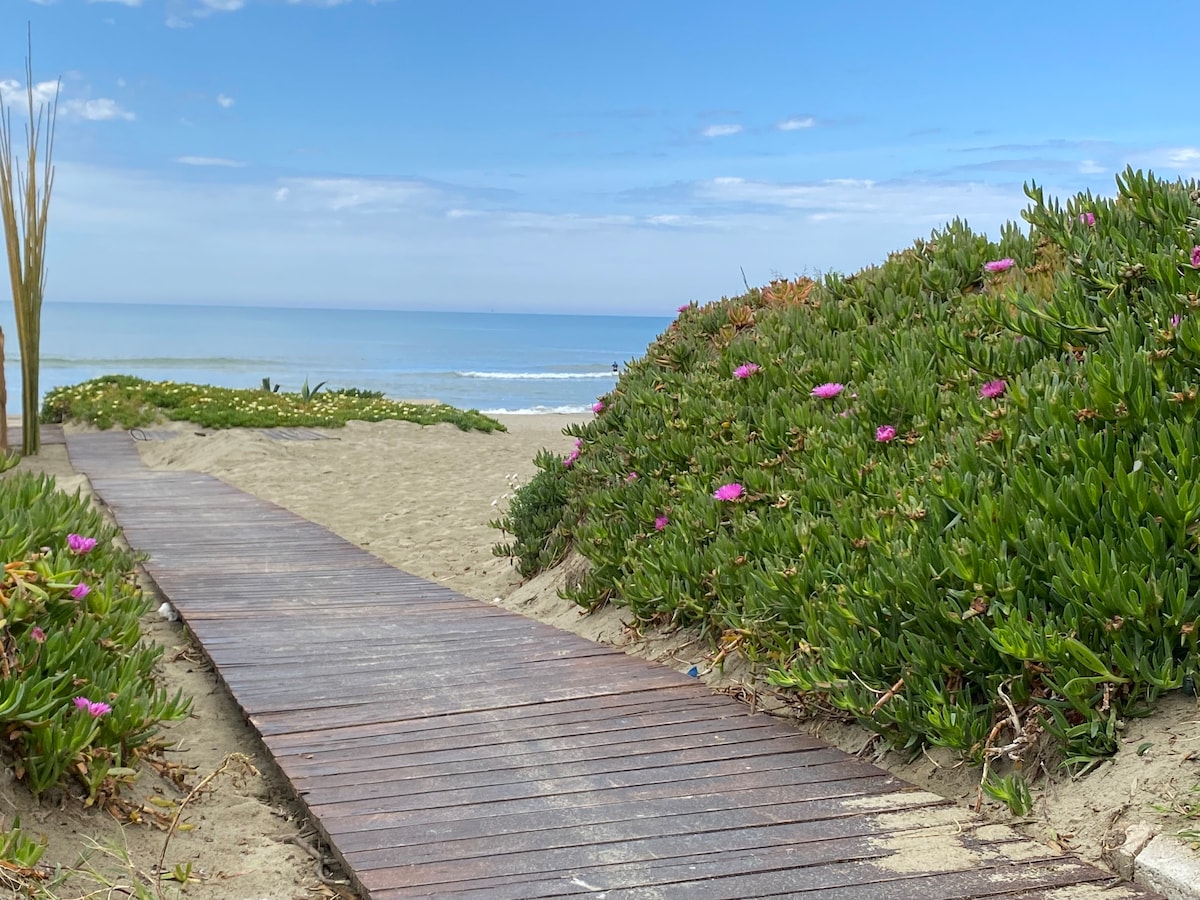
<point x="616" y="368"/>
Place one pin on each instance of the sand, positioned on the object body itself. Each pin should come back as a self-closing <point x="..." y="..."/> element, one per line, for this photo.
<point x="422" y="498"/>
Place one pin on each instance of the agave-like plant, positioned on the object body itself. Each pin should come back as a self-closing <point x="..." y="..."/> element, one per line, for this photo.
<point x="24" y="204"/>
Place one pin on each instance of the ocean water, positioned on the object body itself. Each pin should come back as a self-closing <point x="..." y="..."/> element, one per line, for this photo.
<point x="493" y="362"/>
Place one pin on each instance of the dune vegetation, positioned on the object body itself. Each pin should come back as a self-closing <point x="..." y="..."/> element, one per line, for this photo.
<point x="956" y="495"/>
<point x="80" y="703"/>
<point x="136" y="403"/>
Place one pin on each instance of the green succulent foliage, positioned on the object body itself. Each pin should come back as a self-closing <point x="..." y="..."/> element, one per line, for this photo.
<point x="57" y="646"/>
<point x="1042" y="542"/>
<point x="535" y="518"/>
<point x="1011" y="790"/>
<point x="134" y="403"/>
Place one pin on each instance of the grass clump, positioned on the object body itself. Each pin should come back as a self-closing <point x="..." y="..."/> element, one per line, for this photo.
<point x="134" y="402"/>
<point x="969" y="477"/>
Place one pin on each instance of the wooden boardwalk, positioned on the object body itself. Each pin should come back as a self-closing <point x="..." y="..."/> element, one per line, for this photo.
<point x="449" y="748"/>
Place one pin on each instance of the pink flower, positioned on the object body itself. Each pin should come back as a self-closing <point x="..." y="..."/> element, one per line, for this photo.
<point x="1087" y="218"/>
<point x="992" y="389"/>
<point x="828" y="391"/>
<point x="1175" y="320"/>
<point x="661" y="522"/>
<point x="569" y="460"/>
<point x="598" y="406"/>
<point x="578" y="443"/>
<point x="684" y="308"/>
<point x="1196" y="257"/>
<point x="93" y="707"/>
<point x="37" y="634"/>
<point x="631" y="477"/>
<point x="845" y="413"/>
<point x="999" y="265"/>
<point x="729" y="491"/>
<point x="80" y="591"/>
<point x="885" y="433"/>
<point x="746" y="370"/>
<point x="78" y="544"/>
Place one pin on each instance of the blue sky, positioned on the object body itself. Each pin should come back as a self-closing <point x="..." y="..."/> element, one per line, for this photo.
<point x="623" y="156"/>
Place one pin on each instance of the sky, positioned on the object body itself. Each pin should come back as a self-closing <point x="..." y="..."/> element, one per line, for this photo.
<point x="623" y="157"/>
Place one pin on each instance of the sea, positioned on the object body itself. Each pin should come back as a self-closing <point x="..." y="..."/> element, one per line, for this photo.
<point x="493" y="362"/>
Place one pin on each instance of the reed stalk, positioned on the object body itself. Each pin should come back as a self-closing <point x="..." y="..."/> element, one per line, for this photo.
<point x="23" y="210"/>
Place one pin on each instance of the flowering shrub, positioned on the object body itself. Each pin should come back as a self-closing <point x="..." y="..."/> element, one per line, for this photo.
<point x="1031" y="537"/>
<point x="133" y="402"/>
<point x="77" y="690"/>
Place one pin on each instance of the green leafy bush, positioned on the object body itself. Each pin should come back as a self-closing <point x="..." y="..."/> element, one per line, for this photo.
<point x="534" y="518"/>
<point x="78" y="696"/>
<point x="133" y="403"/>
<point x="969" y="473"/>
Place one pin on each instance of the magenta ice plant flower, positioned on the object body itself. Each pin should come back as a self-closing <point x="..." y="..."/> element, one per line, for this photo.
<point x="1087" y="218"/>
<point x="745" y="370"/>
<point x="598" y="406"/>
<point x="78" y="544"/>
<point x="684" y="308"/>
<point x="1175" y="320"/>
<point x="729" y="491"/>
<point x="993" y="389"/>
<point x="631" y="477"/>
<point x="94" y="708"/>
<point x="37" y="634"/>
<point x="1196" y="257"/>
<point x="661" y="522"/>
<point x="570" y="458"/>
<point x="999" y="265"/>
<point x="885" y="433"/>
<point x="828" y="391"/>
<point x="80" y="591"/>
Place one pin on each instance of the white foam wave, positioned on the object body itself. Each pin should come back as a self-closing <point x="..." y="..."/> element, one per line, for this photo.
<point x="540" y="411"/>
<point x="535" y="376"/>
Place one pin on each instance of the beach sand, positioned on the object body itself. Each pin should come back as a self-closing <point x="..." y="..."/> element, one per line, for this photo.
<point x="420" y="498"/>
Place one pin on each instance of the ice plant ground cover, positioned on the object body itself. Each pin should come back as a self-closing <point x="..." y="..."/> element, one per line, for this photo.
<point x="134" y="402"/>
<point x="78" y="699"/>
<point x="1018" y="561"/>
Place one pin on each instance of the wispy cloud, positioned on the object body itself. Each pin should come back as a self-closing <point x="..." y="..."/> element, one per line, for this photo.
<point x="715" y="131"/>
<point x="919" y="203"/>
<point x="217" y="161"/>
<point x="1183" y="156"/>
<point x="122" y="2"/>
<point x="225" y="101"/>
<point x="325" y="3"/>
<point x="314" y="238"/>
<point x="185" y="13"/>
<point x="364" y="195"/>
<point x="796" y="123"/>
<point x="101" y="109"/>
<point x="14" y="94"/>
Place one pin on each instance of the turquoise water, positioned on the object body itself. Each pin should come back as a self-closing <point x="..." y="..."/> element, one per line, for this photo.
<point x="494" y="362"/>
